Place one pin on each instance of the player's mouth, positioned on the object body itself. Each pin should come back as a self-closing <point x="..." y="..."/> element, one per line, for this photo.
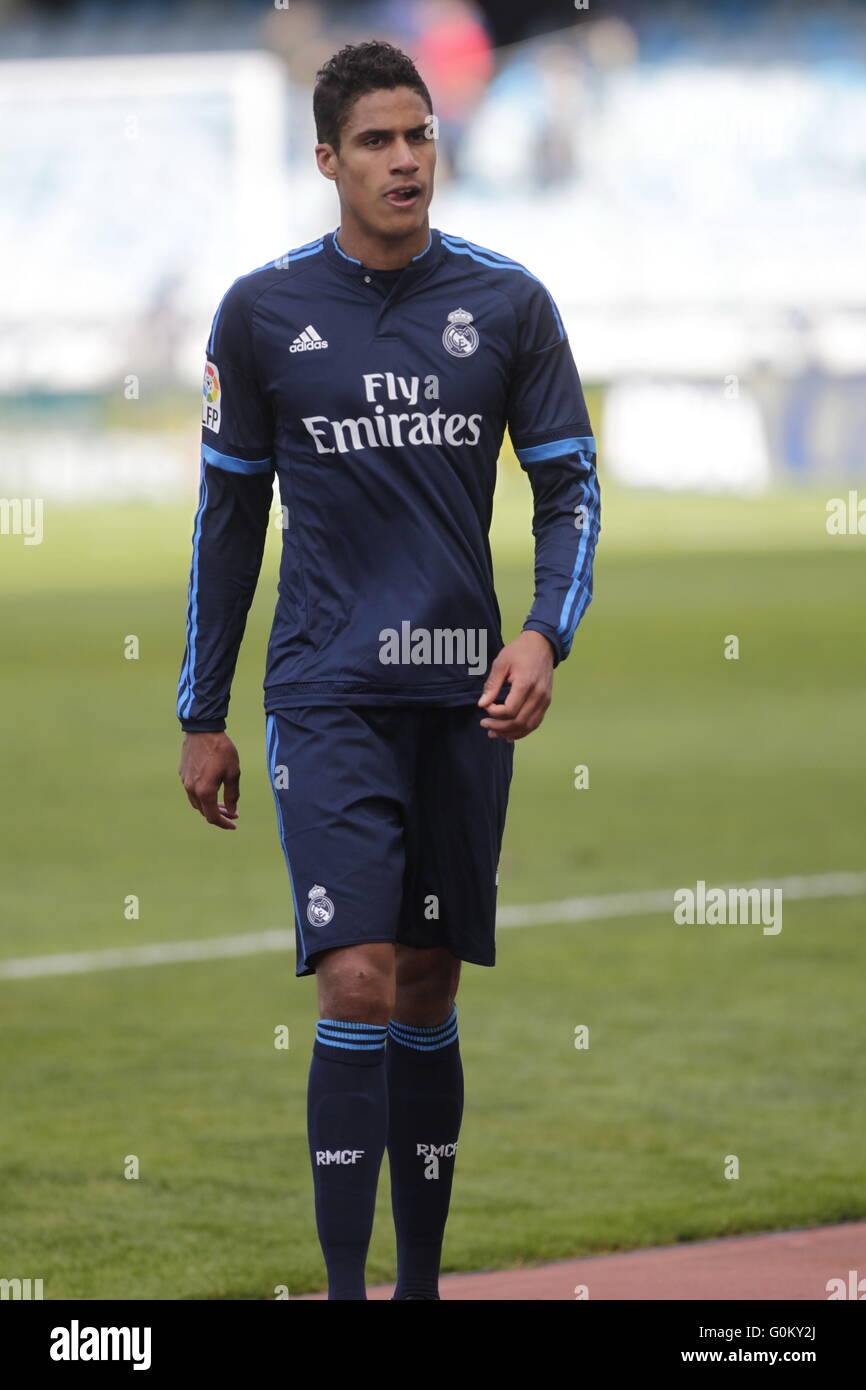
<point x="405" y="195"/>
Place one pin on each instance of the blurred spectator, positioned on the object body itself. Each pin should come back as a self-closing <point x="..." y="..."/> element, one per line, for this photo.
<point x="453" y="53"/>
<point x="561" y="81"/>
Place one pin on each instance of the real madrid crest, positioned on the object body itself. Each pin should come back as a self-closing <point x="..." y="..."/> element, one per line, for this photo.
<point x="460" y="338"/>
<point x="320" y="909"/>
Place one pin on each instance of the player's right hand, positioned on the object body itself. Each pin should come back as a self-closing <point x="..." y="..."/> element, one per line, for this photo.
<point x="208" y="762"/>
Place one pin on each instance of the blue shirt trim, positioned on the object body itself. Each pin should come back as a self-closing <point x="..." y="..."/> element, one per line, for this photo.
<point x="338" y="247"/>
<point x="231" y="464"/>
<point x="556" y="448"/>
<point x="186" y="685"/>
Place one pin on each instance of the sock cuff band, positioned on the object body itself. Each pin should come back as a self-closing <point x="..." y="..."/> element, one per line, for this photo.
<point x="357" y="1037"/>
<point x="425" y="1039"/>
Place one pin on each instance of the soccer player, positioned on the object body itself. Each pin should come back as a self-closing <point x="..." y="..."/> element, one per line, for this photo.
<point x="374" y="371"/>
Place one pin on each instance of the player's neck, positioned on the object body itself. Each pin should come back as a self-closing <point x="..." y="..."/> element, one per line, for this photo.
<point x="380" y="253"/>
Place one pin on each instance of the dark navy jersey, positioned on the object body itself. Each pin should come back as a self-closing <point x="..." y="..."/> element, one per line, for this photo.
<point x="379" y="399"/>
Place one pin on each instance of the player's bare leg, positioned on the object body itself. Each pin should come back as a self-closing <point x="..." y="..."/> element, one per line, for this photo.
<point x="425" y="1104"/>
<point x="357" y="983"/>
<point x="427" y="983"/>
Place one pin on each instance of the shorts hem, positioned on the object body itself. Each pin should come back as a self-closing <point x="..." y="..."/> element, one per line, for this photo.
<point x="374" y="940"/>
<point x="335" y="946"/>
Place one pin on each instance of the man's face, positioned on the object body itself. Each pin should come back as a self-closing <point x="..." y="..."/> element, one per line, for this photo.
<point x="385" y="144"/>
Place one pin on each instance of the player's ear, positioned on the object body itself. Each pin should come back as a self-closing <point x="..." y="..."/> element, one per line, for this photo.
<point x="326" y="160"/>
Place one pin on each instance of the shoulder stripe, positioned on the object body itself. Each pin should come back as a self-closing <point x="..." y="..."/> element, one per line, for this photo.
<point x="465" y="248"/>
<point x="300" y="253"/>
<point x="314" y="245"/>
<point x="310" y="248"/>
<point x="461" y="242"/>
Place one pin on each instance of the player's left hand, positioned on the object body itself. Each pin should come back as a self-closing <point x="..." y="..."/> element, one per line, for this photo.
<point x="527" y="665"/>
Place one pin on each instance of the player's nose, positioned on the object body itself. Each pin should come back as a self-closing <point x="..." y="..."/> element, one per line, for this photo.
<point x="405" y="158"/>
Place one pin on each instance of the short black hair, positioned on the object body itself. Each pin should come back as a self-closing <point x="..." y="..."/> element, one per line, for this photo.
<point x="356" y="69"/>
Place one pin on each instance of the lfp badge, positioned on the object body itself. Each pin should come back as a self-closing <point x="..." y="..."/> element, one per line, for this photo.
<point x="210" y="404"/>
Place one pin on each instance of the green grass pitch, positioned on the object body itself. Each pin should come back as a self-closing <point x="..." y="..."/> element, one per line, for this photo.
<point x="704" y="1041"/>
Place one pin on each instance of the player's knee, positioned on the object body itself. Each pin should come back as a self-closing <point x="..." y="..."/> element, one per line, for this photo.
<point x="356" y="983"/>
<point x="426" y="991"/>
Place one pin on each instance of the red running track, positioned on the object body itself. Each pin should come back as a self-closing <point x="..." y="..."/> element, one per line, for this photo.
<point x="795" y="1265"/>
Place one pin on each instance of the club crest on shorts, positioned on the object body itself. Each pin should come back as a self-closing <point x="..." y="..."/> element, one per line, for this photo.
<point x="320" y="909"/>
<point x="460" y="338"/>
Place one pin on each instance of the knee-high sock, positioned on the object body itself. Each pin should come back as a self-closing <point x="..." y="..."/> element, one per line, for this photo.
<point x="347" y="1126"/>
<point x="425" y="1108"/>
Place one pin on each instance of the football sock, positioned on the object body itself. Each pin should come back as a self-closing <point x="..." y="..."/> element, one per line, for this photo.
<point x="425" y="1108"/>
<point x="347" y="1126"/>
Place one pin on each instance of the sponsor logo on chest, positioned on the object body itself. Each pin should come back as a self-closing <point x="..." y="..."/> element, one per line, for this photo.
<point x="379" y="428"/>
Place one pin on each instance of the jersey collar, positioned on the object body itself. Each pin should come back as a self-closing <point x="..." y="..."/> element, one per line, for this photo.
<point x="356" y="270"/>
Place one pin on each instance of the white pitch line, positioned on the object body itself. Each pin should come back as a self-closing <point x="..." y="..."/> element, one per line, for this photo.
<point x="840" y="885"/>
<point x="837" y="885"/>
<point x="157" y="953"/>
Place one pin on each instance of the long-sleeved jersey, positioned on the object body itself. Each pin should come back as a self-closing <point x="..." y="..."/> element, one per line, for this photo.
<point x="380" y="400"/>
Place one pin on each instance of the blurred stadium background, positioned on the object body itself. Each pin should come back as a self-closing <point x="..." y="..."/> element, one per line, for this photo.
<point x="689" y="180"/>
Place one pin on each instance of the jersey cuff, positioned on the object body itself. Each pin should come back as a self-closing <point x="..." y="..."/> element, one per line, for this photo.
<point x="203" y="726"/>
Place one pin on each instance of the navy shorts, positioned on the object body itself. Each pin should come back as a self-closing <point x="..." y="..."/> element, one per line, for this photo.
<point x="391" y="821"/>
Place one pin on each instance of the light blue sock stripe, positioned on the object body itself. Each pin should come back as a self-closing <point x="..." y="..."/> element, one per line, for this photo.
<point x="417" y="1035"/>
<point x="409" y="1036"/>
<point x="424" y="1047"/>
<point x="424" y="1033"/>
<point x="362" y="1038"/>
<point x="356" y="1037"/>
<point x="355" y="1027"/>
<point x="425" y="1039"/>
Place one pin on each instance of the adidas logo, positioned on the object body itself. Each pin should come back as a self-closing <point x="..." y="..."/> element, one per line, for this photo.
<point x="308" y="340"/>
